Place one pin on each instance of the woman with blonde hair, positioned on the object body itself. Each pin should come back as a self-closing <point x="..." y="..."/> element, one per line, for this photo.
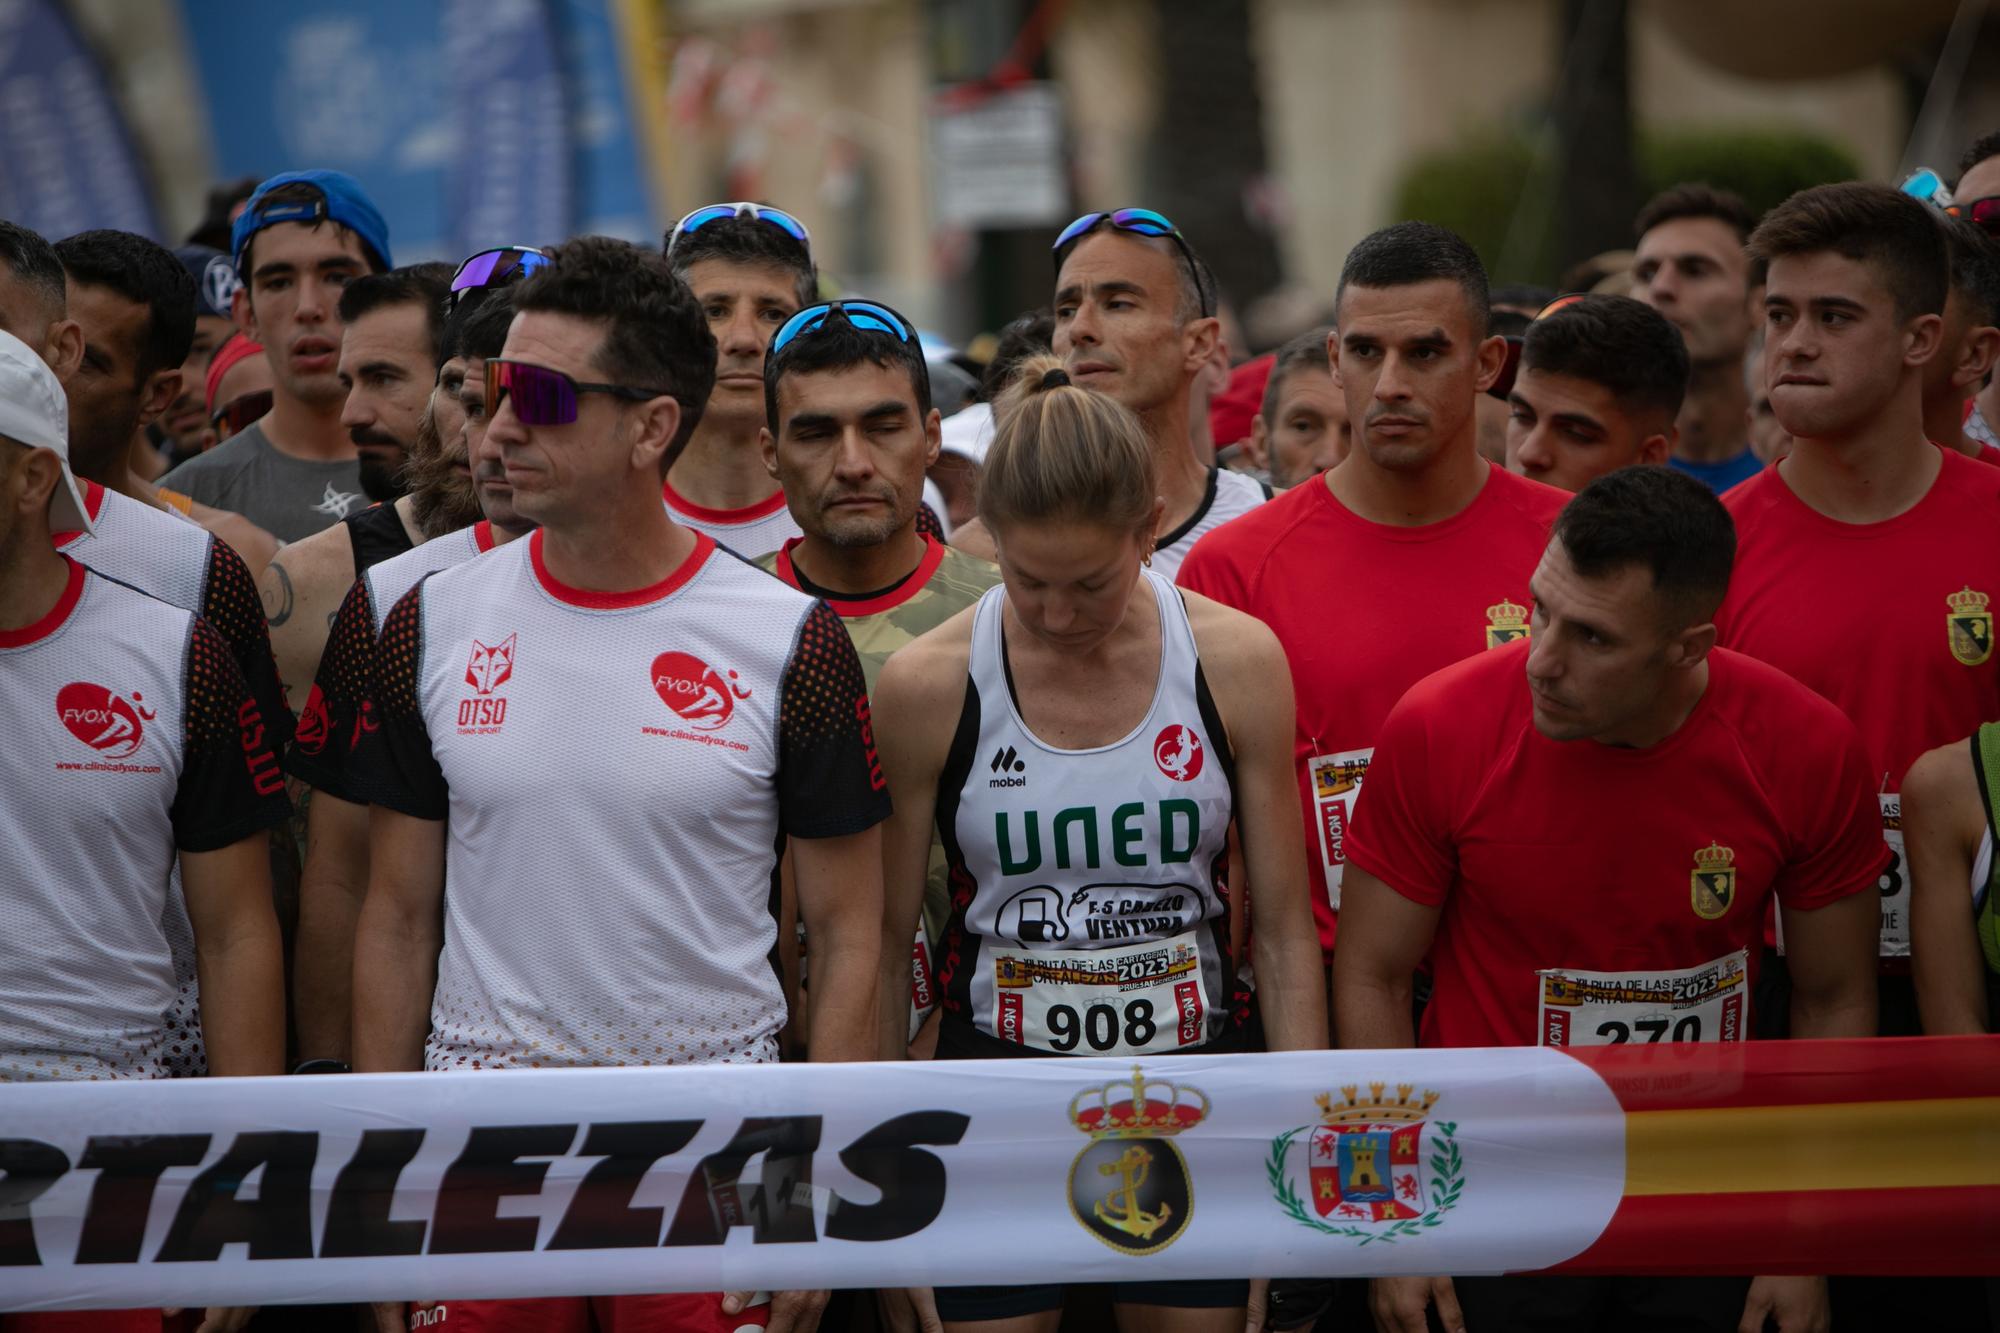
<point x="1083" y="739"/>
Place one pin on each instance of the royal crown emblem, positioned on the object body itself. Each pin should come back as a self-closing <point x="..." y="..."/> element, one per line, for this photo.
<point x="1713" y="883"/>
<point x="1506" y="621"/>
<point x="1970" y="625"/>
<point x="1130" y="1187"/>
<point x="1377" y="1167"/>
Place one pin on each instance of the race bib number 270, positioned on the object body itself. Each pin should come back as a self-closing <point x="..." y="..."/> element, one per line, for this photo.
<point x="1706" y="1003"/>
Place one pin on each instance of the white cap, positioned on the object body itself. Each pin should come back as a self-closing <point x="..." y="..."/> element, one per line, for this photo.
<point x="34" y="412"/>
<point x="969" y="433"/>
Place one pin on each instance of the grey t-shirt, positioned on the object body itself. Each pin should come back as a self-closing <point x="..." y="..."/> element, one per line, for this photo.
<point x="290" y="498"/>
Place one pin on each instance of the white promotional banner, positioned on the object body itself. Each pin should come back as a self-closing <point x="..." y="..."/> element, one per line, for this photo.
<point x="571" y="1182"/>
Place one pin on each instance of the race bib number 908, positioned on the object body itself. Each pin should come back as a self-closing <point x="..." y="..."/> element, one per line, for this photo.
<point x="1138" y="1000"/>
<point x="1706" y="1003"/>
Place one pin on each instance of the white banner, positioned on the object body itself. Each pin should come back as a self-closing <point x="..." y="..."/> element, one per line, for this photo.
<point x="572" y="1182"/>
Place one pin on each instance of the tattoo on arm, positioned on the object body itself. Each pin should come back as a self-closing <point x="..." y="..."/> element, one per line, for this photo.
<point x="276" y="591"/>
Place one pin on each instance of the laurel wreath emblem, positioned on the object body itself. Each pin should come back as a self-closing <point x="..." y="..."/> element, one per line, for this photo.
<point x="1447" y="1180"/>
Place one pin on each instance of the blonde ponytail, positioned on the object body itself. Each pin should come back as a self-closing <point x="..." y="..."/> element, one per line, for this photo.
<point x="1065" y="453"/>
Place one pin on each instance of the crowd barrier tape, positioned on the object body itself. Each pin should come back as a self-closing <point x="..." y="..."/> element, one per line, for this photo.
<point x="1800" y="1157"/>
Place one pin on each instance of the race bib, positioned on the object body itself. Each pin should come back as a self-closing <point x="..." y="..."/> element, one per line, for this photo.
<point x="1138" y="1000"/>
<point x="1706" y="1003"/>
<point x="1336" y="784"/>
<point x="923" y="994"/>
<point x="1895" y="882"/>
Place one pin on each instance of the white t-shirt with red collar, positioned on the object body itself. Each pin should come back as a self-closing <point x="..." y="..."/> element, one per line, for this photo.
<point x="618" y="773"/>
<point x="131" y="738"/>
<point x="751" y="531"/>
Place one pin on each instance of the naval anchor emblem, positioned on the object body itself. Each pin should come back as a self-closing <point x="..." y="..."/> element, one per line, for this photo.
<point x="1130" y="1187"/>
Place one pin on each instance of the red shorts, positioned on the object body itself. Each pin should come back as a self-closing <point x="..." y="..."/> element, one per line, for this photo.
<point x="697" y="1312"/>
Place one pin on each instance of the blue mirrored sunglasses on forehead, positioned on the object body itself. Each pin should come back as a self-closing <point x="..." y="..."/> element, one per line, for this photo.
<point x="1140" y="222"/>
<point x="776" y="217"/>
<point x="861" y="314"/>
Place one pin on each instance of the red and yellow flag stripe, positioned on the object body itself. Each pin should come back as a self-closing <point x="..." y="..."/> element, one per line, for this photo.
<point x="1849" y="1156"/>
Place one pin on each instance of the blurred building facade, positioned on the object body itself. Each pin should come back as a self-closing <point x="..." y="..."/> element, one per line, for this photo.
<point x="935" y="145"/>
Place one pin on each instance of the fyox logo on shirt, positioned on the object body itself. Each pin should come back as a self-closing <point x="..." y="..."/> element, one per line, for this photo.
<point x="696" y="691"/>
<point x="104" y="721"/>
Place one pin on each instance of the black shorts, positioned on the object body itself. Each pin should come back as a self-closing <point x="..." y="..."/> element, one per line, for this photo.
<point x="1535" y="1303"/>
<point x="970" y="1304"/>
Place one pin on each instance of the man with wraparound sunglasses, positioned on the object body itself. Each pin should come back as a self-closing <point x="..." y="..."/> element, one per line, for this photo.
<point x="851" y="433"/>
<point x="750" y="268"/>
<point x="1135" y="320"/>
<point x="697" y="715"/>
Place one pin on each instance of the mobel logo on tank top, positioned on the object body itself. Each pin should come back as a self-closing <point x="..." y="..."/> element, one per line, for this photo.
<point x="488" y="667"/>
<point x="700" y="696"/>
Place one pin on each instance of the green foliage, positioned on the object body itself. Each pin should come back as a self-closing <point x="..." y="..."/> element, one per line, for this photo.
<point x="1766" y="167"/>
<point x="1491" y="188"/>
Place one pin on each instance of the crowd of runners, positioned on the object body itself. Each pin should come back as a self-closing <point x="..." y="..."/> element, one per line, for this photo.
<point x="604" y="654"/>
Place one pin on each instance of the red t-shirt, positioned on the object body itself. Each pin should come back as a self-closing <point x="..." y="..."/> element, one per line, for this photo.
<point x="1364" y="611"/>
<point x="1891" y="621"/>
<point x="1593" y="894"/>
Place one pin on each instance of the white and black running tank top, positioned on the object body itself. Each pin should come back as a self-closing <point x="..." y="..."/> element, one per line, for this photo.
<point x="1088" y="915"/>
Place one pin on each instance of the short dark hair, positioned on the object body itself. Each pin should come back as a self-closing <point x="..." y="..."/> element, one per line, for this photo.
<point x="34" y="261"/>
<point x="144" y="273"/>
<point x="837" y="344"/>
<point x="1975" y="268"/>
<point x="483" y="333"/>
<point x="1408" y="253"/>
<point x="1029" y="333"/>
<point x="1658" y="518"/>
<point x="427" y="285"/>
<point x="1898" y="236"/>
<point x="1696" y="199"/>
<point x="741" y="240"/>
<point x="301" y="192"/>
<point x="1309" y="348"/>
<point x="1985" y="146"/>
<point x="1622" y="344"/>
<point x="655" y="336"/>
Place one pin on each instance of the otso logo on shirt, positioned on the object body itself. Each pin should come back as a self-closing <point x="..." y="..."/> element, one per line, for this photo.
<point x="487" y="668"/>
<point x="106" y="722"/>
<point x="490" y="667"/>
<point x="699" y="695"/>
<point x="1970" y="625"/>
